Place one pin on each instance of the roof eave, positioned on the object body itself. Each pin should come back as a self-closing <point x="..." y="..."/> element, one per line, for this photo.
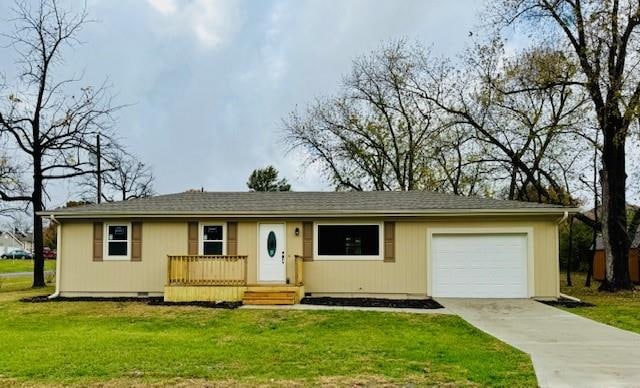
<point x="301" y="214"/>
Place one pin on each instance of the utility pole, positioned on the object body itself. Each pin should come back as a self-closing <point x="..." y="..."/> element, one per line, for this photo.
<point x="98" y="169"/>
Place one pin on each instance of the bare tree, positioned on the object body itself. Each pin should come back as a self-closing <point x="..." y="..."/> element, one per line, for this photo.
<point x="50" y="121"/>
<point x="11" y="181"/>
<point x="123" y="177"/>
<point x="459" y="158"/>
<point x="374" y="134"/>
<point x="492" y="123"/>
<point x="525" y="125"/>
<point x="127" y="178"/>
<point x="603" y="38"/>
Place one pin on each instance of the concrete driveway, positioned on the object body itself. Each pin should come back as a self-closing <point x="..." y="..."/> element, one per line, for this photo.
<point x="567" y="350"/>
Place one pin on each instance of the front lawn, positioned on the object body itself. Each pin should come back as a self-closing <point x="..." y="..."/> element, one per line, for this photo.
<point x="125" y="343"/>
<point x="11" y="265"/>
<point x="620" y="309"/>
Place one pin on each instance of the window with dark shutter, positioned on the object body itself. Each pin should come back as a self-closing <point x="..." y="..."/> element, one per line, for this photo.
<point x="192" y="242"/>
<point x="232" y="238"/>
<point x="98" y="248"/>
<point x="389" y="241"/>
<point x="307" y="241"/>
<point x="136" y="241"/>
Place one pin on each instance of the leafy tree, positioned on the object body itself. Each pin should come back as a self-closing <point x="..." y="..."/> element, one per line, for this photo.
<point x="266" y="179"/>
<point x="50" y="236"/>
<point x="70" y="204"/>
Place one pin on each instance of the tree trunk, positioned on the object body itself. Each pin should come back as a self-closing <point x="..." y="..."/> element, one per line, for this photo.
<point x="38" y="244"/>
<point x="608" y="256"/>
<point x="587" y="282"/>
<point x="614" y="213"/>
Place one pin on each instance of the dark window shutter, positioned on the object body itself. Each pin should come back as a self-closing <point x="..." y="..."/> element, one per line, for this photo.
<point x="389" y="241"/>
<point x="193" y="238"/>
<point x="98" y="247"/>
<point x="136" y="241"/>
<point x="307" y="241"/>
<point x="232" y="238"/>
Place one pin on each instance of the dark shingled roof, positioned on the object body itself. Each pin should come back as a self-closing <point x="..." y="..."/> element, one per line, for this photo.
<point x="296" y="202"/>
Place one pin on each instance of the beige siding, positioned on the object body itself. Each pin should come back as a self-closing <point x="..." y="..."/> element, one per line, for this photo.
<point x="407" y="276"/>
<point x="247" y="240"/>
<point x="294" y="247"/>
<point x="80" y="274"/>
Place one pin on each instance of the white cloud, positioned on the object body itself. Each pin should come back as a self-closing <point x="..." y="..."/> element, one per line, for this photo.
<point x="165" y="7"/>
<point x="210" y="21"/>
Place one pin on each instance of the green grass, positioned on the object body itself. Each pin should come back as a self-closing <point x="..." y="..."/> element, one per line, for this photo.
<point x="9" y="265"/>
<point x="620" y="309"/>
<point x="118" y="343"/>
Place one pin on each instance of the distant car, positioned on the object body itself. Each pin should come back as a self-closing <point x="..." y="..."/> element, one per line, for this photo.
<point x="17" y="254"/>
<point x="48" y="253"/>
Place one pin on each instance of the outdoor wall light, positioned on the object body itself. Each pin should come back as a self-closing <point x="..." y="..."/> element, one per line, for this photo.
<point x="297" y="232"/>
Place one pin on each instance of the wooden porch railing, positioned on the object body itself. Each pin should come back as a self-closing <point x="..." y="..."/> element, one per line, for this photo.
<point x="298" y="270"/>
<point x="207" y="270"/>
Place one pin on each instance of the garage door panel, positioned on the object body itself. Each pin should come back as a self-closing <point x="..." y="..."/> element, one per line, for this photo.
<point x="482" y="266"/>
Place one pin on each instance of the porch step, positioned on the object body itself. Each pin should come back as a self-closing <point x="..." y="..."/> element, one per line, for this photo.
<point x="269" y="297"/>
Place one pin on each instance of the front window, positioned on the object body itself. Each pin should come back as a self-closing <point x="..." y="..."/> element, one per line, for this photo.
<point x="212" y="239"/>
<point x="348" y="241"/>
<point x="118" y="237"/>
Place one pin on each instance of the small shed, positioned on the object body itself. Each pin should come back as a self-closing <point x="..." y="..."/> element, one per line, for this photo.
<point x="634" y="259"/>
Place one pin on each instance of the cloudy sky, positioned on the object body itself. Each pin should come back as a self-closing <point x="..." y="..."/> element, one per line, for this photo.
<point x="210" y="80"/>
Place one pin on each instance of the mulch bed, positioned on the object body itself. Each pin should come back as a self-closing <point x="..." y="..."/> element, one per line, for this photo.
<point x="151" y="301"/>
<point x="373" y="302"/>
<point x="323" y="301"/>
<point x="569" y="303"/>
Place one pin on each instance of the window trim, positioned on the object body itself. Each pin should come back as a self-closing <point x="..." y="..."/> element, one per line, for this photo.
<point x="201" y="239"/>
<point x="105" y="253"/>
<point x="378" y="257"/>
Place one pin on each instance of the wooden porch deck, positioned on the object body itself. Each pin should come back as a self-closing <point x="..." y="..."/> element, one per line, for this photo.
<point x="224" y="278"/>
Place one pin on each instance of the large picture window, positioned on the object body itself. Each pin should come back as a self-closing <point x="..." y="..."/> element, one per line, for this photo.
<point x="348" y="241"/>
<point x="118" y="237"/>
<point x="212" y="241"/>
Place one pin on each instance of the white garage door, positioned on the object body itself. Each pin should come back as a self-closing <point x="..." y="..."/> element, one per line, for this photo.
<point x="479" y="265"/>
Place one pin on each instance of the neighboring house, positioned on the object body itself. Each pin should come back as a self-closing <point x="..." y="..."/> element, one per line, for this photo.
<point x="10" y="241"/>
<point x="275" y="247"/>
<point x="27" y="240"/>
<point x="634" y="259"/>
